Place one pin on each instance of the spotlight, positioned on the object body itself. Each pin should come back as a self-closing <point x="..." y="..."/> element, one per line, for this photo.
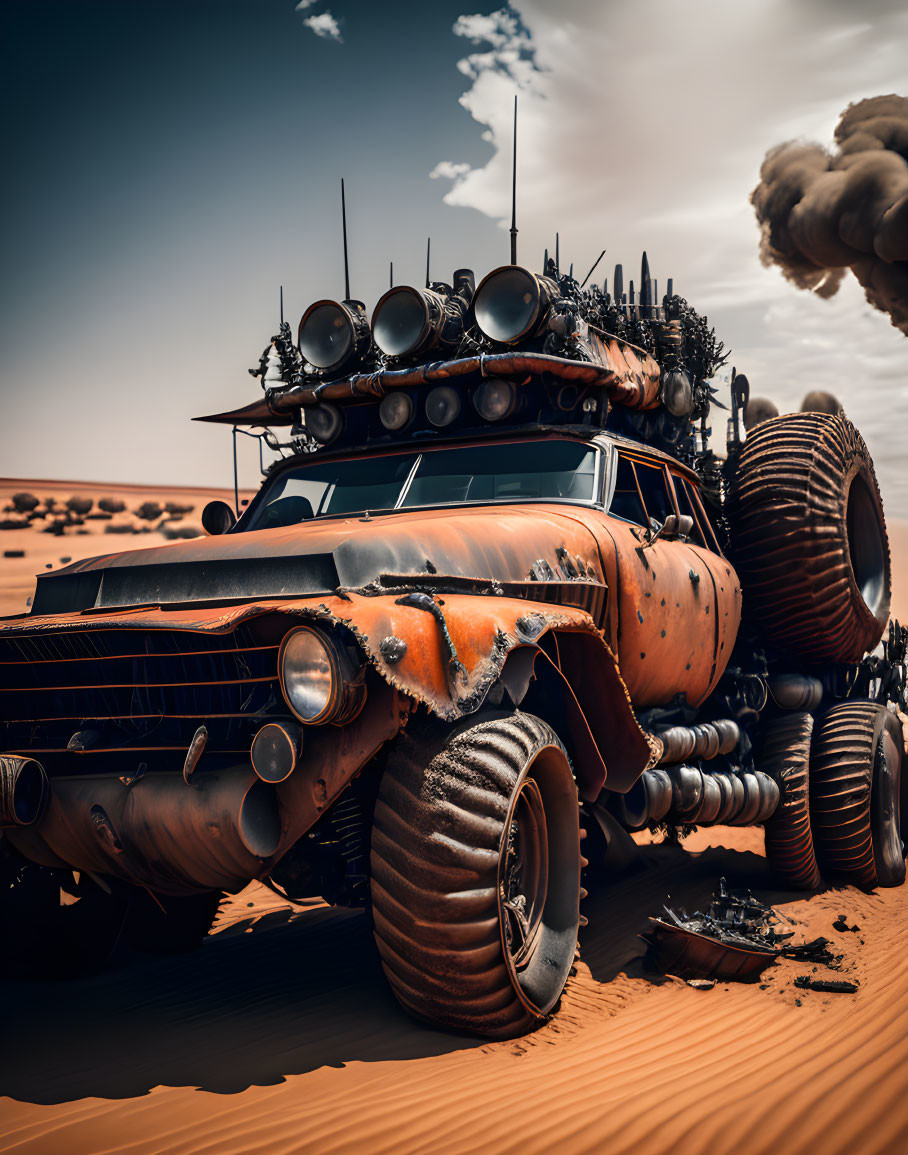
<point x="395" y="411"/>
<point x="408" y="321"/>
<point x="512" y="303"/>
<point x="495" y="399"/>
<point x="676" y="393"/>
<point x="332" y="334"/>
<point x="324" y="422"/>
<point x="443" y="405"/>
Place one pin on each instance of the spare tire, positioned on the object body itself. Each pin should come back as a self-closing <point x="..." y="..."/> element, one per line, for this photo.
<point x="808" y="538"/>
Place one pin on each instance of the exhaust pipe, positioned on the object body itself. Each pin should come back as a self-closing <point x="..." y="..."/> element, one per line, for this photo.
<point x="24" y="791"/>
<point x="161" y="833"/>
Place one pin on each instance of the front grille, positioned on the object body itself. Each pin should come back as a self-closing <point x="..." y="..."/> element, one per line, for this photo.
<point x="135" y="689"/>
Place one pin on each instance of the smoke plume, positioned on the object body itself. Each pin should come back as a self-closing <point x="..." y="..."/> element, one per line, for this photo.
<point x="822" y="213"/>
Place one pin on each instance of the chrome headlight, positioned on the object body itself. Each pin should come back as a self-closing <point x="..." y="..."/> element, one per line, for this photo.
<point x="320" y="680"/>
<point x="512" y="303"/>
<point x="332" y="334"/>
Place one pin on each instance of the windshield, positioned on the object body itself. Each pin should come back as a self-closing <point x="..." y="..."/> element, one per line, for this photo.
<point x="521" y="471"/>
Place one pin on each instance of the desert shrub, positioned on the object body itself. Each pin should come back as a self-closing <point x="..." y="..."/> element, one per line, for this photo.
<point x="80" y="505"/>
<point x="25" y="502"/>
<point x="111" y="505"/>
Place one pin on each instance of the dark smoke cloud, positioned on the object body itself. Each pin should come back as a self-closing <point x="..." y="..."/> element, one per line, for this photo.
<point x="822" y="213"/>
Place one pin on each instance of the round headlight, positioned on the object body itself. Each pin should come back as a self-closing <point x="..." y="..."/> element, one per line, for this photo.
<point x="442" y="405"/>
<point x="395" y="411"/>
<point x="276" y="749"/>
<point x="511" y="302"/>
<point x="495" y="399"/>
<point x="324" y="422"/>
<point x="332" y="333"/>
<point x="319" y="680"/>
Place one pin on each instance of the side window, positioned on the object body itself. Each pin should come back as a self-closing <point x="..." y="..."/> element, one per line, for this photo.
<point x="626" y="499"/>
<point x="641" y="493"/>
<point x="654" y="485"/>
<point x="689" y="503"/>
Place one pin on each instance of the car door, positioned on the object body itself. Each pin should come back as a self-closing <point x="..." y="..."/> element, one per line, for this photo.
<point x="674" y="605"/>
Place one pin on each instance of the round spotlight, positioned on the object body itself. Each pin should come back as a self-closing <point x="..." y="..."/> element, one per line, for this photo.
<point x="324" y="422"/>
<point x="512" y="302"/>
<point x="677" y="396"/>
<point x="401" y="321"/>
<point x="443" y="405"/>
<point x="319" y="680"/>
<point x="495" y="399"/>
<point x="395" y="411"/>
<point x="331" y="333"/>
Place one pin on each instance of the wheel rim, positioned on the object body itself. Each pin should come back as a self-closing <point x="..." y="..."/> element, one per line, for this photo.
<point x="526" y="874"/>
<point x="539" y="880"/>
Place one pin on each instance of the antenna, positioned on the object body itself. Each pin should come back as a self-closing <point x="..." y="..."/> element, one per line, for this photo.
<point x="391" y="286"/>
<point x="619" y="284"/>
<point x="593" y="269"/>
<point x="514" y="192"/>
<point x="670" y="291"/>
<point x="557" y="256"/>
<point x="282" y="304"/>
<point x="346" y="263"/>
<point x="428" y="256"/>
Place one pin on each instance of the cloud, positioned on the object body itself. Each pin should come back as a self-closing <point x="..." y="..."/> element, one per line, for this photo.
<point x="448" y="170"/>
<point x="644" y="126"/>
<point x="508" y="64"/>
<point x="323" y="24"/>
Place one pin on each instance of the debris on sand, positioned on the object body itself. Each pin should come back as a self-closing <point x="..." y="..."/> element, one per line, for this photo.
<point x="841" y="924"/>
<point x="815" y="951"/>
<point x="734" y="939"/>
<point x="833" y="986"/>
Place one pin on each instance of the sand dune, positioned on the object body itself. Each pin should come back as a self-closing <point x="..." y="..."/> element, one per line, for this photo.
<point x="280" y="1034"/>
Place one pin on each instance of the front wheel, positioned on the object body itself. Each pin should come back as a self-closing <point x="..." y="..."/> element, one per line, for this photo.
<point x="476" y="874"/>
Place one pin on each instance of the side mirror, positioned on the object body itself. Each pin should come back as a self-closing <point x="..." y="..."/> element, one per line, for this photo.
<point x="676" y="528"/>
<point x="217" y="518"/>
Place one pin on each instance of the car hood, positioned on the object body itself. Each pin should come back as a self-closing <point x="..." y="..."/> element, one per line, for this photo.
<point x="497" y="544"/>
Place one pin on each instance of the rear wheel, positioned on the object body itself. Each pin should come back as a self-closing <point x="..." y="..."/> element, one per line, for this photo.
<point x="476" y="874"/>
<point x="809" y="539"/>
<point x="856" y="767"/>
<point x="789" y="841"/>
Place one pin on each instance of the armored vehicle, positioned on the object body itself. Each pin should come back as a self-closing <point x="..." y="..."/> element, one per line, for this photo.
<point x="483" y="618"/>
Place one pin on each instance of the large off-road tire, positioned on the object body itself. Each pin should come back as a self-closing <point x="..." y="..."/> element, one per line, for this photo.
<point x="855" y="776"/>
<point x="476" y="874"/>
<point x="809" y="539"/>
<point x="168" y="924"/>
<point x="56" y="923"/>
<point x="785" y="757"/>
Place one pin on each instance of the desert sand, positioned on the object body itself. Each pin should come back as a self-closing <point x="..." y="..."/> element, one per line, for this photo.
<point x="280" y="1035"/>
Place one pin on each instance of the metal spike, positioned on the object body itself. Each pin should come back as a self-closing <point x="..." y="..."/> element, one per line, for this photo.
<point x="584" y="921"/>
<point x="670" y="291"/>
<point x="583" y="893"/>
<point x="619" y="283"/>
<point x="584" y="862"/>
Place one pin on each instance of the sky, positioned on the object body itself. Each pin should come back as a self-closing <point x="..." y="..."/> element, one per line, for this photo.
<point x="172" y="163"/>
